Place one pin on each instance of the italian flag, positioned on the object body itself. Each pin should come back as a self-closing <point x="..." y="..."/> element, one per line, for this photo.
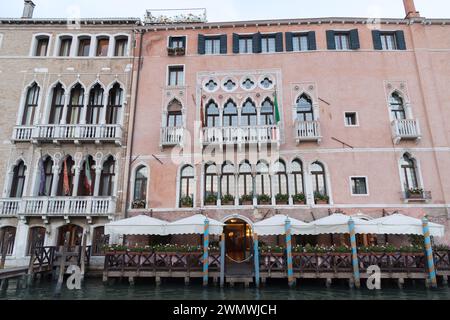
<point x="277" y="116"/>
<point x="88" y="180"/>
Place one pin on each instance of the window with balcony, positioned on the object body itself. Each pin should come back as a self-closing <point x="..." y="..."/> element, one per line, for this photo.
<point x="359" y="186"/>
<point x="31" y="104"/>
<point x="212" y="115"/>
<point x="409" y="172"/>
<point x="18" y="180"/>
<point x="57" y="106"/>
<point x="95" y="105"/>
<point x="266" y="113"/>
<point x="65" y="44"/>
<point x="211" y="185"/>
<point x="45" y="176"/>
<point x="86" y="184"/>
<point x="121" y="46"/>
<point x="319" y="182"/>
<point x="84" y="46"/>
<point x="75" y="105"/>
<point x="230" y="114"/>
<point x="114" y="107"/>
<point x="66" y="176"/>
<point x="245" y="184"/>
<point x="7" y="239"/>
<point x="176" y="76"/>
<point x="102" y="47"/>
<point x="174" y="114"/>
<point x="42" y="43"/>
<point x="36" y="237"/>
<point x="187" y="187"/>
<point x="304" y="109"/>
<point x="140" y="187"/>
<point x="107" y="178"/>
<point x="397" y="107"/>
<point x="249" y="114"/>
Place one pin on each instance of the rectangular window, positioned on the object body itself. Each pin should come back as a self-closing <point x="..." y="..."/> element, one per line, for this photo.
<point x="245" y="45"/>
<point x="300" y="42"/>
<point x="102" y="47"/>
<point x="268" y="43"/>
<point x="41" y="47"/>
<point x="388" y="41"/>
<point x="359" y="186"/>
<point x="64" y="49"/>
<point x="84" y="47"/>
<point x="177" y="42"/>
<point x="121" y="47"/>
<point x="351" y="119"/>
<point x="342" y="41"/>
<point x="176" y="76"/>
<point x="212" y="45"/>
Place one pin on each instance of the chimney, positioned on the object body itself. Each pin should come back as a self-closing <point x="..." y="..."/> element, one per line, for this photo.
<point x="410" y="9"/>
<point x="28" y="8"/>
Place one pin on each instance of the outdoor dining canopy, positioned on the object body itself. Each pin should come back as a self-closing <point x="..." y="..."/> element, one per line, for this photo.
<point x="195" y="225"/>
<point x="139" y="225"/>
<point x="339" y="223"/>
<point x="276" y="225"/>
<point x="401" y="224"/>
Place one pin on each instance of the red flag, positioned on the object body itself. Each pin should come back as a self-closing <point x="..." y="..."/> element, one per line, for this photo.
<point x="66" y="185"/>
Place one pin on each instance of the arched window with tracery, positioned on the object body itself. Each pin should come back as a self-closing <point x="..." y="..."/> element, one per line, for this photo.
<point x="263" y="181"/>
<point x="57" y="106"/>
<point x="304" y="108"/>
<point x="108" y="177"/>
<point x="281" y="182"/>
<point x="249" y="114"/>
<point x="187" y="186"/>
<point x="45" y="176"/>
<point x="115" y="101"/>
<point x="245" y="183"/>
<point x="212" y="115"/>
<point x="140" y="184"/>
<point x="297" y="175"/>
<point x="86" y="184"/>
<point x="397" y="107"/>
<point x="409" y="172"/>
<point x="75" y="105"/>
<point x="174" y="114"/>
<point x="319" y="181"/>
<point x="266" y="114"/>
<point x="230" y="114"/>
<point x="227" y="184"/>
<point x="95" y="105"/>
<point x="31" y="104"/>
<point x="18" y="180"/>
<point x="66" y="176"/>
<point x="211" y="192"/>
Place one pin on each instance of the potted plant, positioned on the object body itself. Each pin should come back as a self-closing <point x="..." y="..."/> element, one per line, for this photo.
<point x="186" y="202"/>
<point x="264" y="199"/>
<point x="321" y="198"/>
<point x="299" y="198"/>
<point x="282" y="198"/>
<point x="138" y="204"/>
<point x="180" y="51"/>
<point x="211" y="199"/>
<point x="227" y="200"/>
<point x="415" y="193"/>
<point x="171" y="51"/>
<point x="246" y="200"/>
<point x="441" y="248"/>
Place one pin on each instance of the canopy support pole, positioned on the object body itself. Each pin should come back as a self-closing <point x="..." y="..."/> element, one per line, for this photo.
<point x="355" y="262"/>
<point x="256" y="258"/>
<point x="291" y="280"/>
<point x="205" y="253"/>
<point x="429" y="253"/>
<point x="222" y="260"/>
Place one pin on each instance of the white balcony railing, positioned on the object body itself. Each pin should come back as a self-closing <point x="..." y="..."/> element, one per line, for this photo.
<point x="79" y="132"/>
<point x="240" y="135"/>
<point x="58" y="206"/>
<point x="307" y="131"/>
<point x="22" y="133"/>
<point x="171" y="136"/>
<point x="407" y="129"/>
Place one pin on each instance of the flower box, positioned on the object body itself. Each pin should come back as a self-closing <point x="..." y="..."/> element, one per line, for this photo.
<point x="317" y="201"/>
<point x="228" y="203"/>
<point x="298" y="202"/>
<point x="247" y="203"/>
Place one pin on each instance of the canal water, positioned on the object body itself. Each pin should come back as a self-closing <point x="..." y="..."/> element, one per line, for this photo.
<point x="94" y="289"/>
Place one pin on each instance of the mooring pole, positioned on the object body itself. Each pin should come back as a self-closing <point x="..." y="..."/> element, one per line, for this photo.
<point x="290" y="271"/>
<point x="429" y="253"/>
<point x="355" y="262"/>
<point x="222" y="260"/>
<point x="256" y="258"/>
<point x="82" y="255"/>
<point x="205" y="252"/>
<point x="62" y="264"/>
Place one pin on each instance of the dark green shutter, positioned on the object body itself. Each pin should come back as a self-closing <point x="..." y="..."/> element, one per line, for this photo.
<point x="235" y="43"/>
<point x="223" y="44"/>
<point x="354" y="39"/>
<point x="289" y="44"/>
<point x="400" y="38"/>
<point x="331" y="44"/>
<point x="376" y="37"/>
<point x="312" y="41"/>
<point x="279" y="42"/>
<point x="201" y="44"/>
<point x="257" y="43"/>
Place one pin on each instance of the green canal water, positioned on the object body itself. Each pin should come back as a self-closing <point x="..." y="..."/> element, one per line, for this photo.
<point x="94" y="289"/>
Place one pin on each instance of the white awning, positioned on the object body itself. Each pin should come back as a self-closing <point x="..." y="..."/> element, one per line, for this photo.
<point x="401" y="224"/>
<point x="139" y="225"/>
<point x="338" y="223"/>
<point x="276" y="226"/>
<point x="195" y="225"/>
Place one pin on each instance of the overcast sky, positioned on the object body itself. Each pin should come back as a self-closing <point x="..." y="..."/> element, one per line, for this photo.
<point x="226" y="10"/>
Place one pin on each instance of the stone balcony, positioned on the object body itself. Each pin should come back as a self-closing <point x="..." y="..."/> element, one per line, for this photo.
<point x="58" y="206"/>
<point x="75" y="133"/>
<point x="171" y="136"/>
<point x="305" y="131"/>
<point x="407" y="129"/>
<point x="240" y="135"/>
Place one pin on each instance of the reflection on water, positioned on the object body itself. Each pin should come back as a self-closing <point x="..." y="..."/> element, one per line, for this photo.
<point x="145" y="290"/>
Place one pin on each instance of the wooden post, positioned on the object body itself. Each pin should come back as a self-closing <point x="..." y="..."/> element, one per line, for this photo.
<point x="82" y="255"/>
<point x="290" y="271"/>
<point x="256" y="258"/>
<point x="429" y="253"/>
<point x="222" y="260"/>
<point x="205" y="252"/>
<point x="5" y="250"/>
<point x="31" y="265"/>
<point x="62" y="264"/>
<point x="355" y="262"/>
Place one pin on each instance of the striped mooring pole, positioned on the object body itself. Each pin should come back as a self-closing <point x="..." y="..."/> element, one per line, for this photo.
<point x="290" y="272"/>
<point x="205" y="252"/>
<point x="429" y="253"/>
<point x="355" y="262"/>
<point x="256" y="258"/>
<point x="222" y="260"/>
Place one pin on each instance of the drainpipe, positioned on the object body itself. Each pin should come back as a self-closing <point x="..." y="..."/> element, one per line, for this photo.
<point x="131" y="126"/>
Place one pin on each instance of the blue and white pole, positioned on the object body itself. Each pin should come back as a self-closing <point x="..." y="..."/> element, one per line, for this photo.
<point x="355" y="262"/>
<point x="256" y="258"/>
<point x="290" y="271"/>
<point x="429" y="253"/>
<point x="205" y="252"/>
<point x="222" y="260"/>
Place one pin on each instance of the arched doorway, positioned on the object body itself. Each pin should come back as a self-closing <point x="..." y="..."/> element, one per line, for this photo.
<point x="238" y="240"/>
<point x="75" y="235"/>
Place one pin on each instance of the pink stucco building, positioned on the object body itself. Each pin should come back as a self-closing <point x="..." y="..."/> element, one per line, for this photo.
<point x="363" y="119"/>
